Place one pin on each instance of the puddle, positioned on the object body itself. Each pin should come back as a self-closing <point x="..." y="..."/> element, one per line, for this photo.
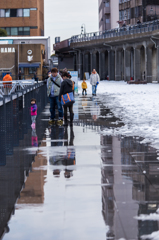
<point x="78" y="183"/>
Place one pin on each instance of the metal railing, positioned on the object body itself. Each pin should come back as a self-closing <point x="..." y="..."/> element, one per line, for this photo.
<point x="117" y="32"/>
<point x="9" y="87"/>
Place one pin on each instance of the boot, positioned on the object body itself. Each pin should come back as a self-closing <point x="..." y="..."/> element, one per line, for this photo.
<point x="65" y="121"/>
<point x="71" y="119"/>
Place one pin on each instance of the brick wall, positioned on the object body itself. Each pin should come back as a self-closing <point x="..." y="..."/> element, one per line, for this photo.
<point x="36" y="18"/>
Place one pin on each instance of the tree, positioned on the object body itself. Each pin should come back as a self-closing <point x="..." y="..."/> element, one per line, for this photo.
<point x="3" y="33"/>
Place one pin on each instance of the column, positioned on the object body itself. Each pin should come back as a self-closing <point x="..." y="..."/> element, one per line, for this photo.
<point x="111" y="64"/>
<point x="146" y="70"/>
<point x="134" y="77"/>
<point x="149" y="65"/>
<point x="124" y="63"/>
<point x="158" y="62"/>
<point x="83" y="64"/>
<point x="100" y="65"/>
<point x="127" y="65"/>
<point x="137" y="66"/>
<point x="91" y="61"/>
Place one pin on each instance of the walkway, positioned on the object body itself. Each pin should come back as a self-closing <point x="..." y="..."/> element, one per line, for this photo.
<point x="79" y="183"/>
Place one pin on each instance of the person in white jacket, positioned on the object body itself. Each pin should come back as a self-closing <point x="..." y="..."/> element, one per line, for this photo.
<point x="94" y="81"/>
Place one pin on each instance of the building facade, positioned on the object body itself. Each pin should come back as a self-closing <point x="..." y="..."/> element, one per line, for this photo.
<point x="108" y="14"/>
<point x="22" y="17"/>
<point x="130" y="11"/>
<point x="29" y="58"/>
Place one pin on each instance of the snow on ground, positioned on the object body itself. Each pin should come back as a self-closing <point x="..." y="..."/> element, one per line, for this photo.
<point x="136" y="105"/>
<point x="152" y="236"/>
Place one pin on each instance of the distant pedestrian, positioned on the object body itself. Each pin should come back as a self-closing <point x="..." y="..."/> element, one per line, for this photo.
<point x="94" y="81"/>
<point x="53" y="90"/>
<point x="67" y="88"/>
<point x="8" y="85"/>
<point x="138" y="21"/>
<point x="35" y="77"/>
<point x="33" y="112"/>
<point x="84" y="87"/>
<point x="20" y="75"/>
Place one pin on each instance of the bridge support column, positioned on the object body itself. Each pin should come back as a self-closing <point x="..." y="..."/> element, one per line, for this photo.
<point x="136" y="63"/>
<point x="127" y="62"/>
<point x="100" y="64"/>
<point x="157" y="63"/>
<point x="149" y="64"/>
<point x="111" y="64"/>
<point x="118" y="65"/>
<point x="83" y="64"/>
<point x="80" y="65"/>
<point x="91" y="61"/>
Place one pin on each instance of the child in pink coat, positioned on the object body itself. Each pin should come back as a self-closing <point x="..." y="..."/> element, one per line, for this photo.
<point x="33" y="112"/>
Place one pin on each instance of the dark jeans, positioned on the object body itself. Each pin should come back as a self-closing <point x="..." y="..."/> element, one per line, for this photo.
<point x="53" y="102"/>
<point x="84" y="91"/>
<point x="71" y="113"/>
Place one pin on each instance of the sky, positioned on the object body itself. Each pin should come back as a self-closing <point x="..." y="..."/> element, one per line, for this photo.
<point x="63" y="18"/>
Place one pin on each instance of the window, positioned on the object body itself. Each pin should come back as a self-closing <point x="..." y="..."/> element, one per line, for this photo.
<point x="32" y="70"/>
<point x="19" y="12"/>
<point x="107" y="20"/>
<point x="107" y="4"/>
<point x="26" y="12"/>
<point x="20" y="31"/>
<point x="14" y="31"/>
<point x="13" y="12"/>
<point x="7" y="13"/>
<point x="26" y="30"/>
<point x="8" y="31"/>
<point x="2" y="13"/>
<point x="33" y="9"/>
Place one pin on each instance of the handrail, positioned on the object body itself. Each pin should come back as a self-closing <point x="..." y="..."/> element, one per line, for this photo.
<point x="138" y="28"/>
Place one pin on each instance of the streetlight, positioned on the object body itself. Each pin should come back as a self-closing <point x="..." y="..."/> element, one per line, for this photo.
<point x="83" y="29"/>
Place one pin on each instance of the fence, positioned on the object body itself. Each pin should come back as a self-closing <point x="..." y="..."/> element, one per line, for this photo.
<point x="9" y="87"/>
<point x="126" y="30"/>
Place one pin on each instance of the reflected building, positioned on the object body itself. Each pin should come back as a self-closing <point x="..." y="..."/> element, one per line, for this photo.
<point x="131" y="169"/>
<point x="15" y="162"/>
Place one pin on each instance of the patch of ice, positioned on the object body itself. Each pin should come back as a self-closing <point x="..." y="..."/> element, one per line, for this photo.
<point x="152" y="236"/>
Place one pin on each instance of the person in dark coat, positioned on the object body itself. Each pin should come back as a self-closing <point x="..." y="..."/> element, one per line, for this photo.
<point x="67" y="86"/>
<point x="20" y="75"/>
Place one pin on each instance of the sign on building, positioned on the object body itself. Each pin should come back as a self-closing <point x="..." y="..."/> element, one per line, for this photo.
<point x="74" y="75"/>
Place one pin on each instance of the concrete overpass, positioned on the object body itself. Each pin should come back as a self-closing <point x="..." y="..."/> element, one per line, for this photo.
<point x="118" y="54"/>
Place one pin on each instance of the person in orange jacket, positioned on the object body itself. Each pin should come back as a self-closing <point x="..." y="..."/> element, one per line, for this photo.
<point x="7" y="85"/>
<point x="84" y="87"/>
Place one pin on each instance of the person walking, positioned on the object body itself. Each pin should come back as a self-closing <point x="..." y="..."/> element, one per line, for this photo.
<point x="84" y="87"/>
<point x="53" y="90"/>
<point x="94" y="81"/>
<point x="67" y="86"/>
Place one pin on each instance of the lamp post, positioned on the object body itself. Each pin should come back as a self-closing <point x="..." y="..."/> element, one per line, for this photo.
<point x="83" y="29"/>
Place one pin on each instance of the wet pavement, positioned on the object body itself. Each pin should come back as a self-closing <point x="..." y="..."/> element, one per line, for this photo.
<point x="78" y="183"/>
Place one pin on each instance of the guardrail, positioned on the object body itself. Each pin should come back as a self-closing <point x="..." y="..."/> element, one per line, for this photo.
<point x="126" y="30"/>
<point x="9" y="87"/>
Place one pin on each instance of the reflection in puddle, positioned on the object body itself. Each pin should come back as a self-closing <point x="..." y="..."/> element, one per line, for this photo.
<point x="73" y="183"/>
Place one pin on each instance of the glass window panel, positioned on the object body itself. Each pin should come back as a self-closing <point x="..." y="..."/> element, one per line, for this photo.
<point x="14" y="31"/>
<point x="13" y="12"/>
<point x="2" y="13"/>
<point x="32" y="70"/>
<point x="26" y="30"/>
<point x="26" y="12"/>
<point x="19" y="12"/>
<point x="7" y="13"/>
<point x="8" y="31"/>
<point x="20" y="31"/>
